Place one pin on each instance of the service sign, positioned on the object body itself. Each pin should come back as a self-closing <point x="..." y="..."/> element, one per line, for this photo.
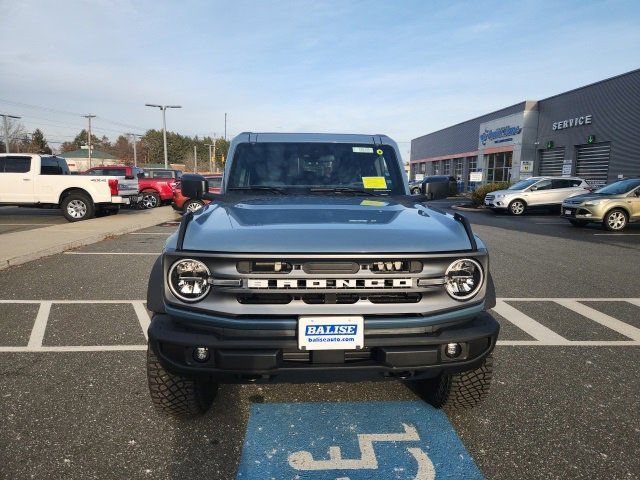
<point x="331" y="333"/>
<point x="475" y="176"/>
<point x="526" y="166"/>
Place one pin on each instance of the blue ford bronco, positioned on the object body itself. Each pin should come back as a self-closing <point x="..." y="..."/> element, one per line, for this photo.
<point x="314" y="263"/>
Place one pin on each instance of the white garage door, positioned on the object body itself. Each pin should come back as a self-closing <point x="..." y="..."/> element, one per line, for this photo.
<point x="592" y="163"/>
<point x="551" y="162"/>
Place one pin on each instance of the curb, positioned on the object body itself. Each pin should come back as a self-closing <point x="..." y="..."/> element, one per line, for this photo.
<point x="469" y="209"/>
<point x="138" y="220"/>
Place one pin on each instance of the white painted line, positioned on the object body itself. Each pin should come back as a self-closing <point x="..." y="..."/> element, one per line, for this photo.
<point x="528" y="324"/>
<point x="77" y="348"/>
<point x="113" y="253"/>
<point x="143" y="317"/>
<point x="69" y="301"/>
<point x="577" y="299"/>
<point x="40" y="325"/>
<point x="635" y="301"/>
<point x="618" y="234"/>
<point x="602" y="318"/>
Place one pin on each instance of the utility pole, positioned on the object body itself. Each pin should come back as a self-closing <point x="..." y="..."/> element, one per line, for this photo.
<point x="225" y="126"/>
<point x="210" y="159"/>
<point x="164" y="127"/>
<point x="5" y="117"/>
<point x="195" y="159"/>
<point x="89" y="117"/>
<point x="135" y="153"/>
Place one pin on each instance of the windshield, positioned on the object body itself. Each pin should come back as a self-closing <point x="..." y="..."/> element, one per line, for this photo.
<point x="306" y="167"/>
<point x="623" y="186"/>
<point x="523" y="184"/>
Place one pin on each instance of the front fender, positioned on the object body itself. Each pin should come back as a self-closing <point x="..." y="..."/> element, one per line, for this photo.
<point x="155" y="288"/>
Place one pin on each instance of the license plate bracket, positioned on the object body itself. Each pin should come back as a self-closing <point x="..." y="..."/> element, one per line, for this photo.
<point x="339" y="332"/>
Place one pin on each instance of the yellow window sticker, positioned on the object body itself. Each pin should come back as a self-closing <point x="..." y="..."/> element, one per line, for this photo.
<point x="374" y="182"/>
<point x="373" y="203"/>
<point x="379" y="151"/>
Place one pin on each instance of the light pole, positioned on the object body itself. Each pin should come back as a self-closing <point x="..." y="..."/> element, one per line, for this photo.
<point x="6" y="129"/>
<point x="210" y="161"/>
<point x="225" y="126"/>
<point x="89" y="117"/>
<point x="135" y="153"/>
<point x="164" y="127"/>
<point x="195" y="159"/>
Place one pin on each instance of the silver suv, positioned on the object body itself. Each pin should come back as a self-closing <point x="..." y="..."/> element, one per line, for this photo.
<point x="535" y="192"/>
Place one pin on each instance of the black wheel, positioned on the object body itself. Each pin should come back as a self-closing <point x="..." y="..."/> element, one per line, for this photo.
<point x="517" y="207"/>
<point x="416" y="191"/>
<point x="150" y="200"/>
<point x="458" y="390"/>
<point x="174" y="394"/>
<point x="77" y="206"/>
<point x="578" y="223"/>
<point x="192" y="206"/>
<point x="615" y="220"/>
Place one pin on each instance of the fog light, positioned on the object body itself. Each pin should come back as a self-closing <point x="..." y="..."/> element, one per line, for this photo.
<point x="201" y="354"/>
<point x="453" y="350"/>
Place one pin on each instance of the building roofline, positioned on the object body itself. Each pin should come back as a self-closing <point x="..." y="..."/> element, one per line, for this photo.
<point x="637" y="70"/>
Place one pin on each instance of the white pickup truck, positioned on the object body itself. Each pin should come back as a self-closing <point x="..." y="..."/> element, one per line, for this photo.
<point x="44" y="180"/>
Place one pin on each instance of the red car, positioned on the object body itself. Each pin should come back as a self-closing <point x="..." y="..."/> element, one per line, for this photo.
<point x="153" y="191"/>
<point x="184" y="204"/>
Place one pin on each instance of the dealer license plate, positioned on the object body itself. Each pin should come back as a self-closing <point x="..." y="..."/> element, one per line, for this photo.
<point x="567" y="212"/>
<point x="331" y="333"/>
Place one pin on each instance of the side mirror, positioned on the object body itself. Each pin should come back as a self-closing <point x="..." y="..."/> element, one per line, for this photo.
<point x="194" y="186"/>
<point x="533" y="188"/>
<point x="638" y="192"/>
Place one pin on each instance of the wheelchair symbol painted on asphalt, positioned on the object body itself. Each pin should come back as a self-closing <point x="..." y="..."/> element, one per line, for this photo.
<point x="405" y="440"/>
<point x="303" y="460"/>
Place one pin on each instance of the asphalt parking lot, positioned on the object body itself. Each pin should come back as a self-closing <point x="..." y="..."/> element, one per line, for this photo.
<point x="563" y="402"/>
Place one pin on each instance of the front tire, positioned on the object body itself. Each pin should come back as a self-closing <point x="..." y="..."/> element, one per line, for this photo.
<point x="192" y="206"/>
<point x="615" y="220"/>
<point x="517" y="207"/>
<point x="458" y="390"/>
<point x="174" y="394"/>
<point x="76" y="207"/>
<point x="416" y="191"/>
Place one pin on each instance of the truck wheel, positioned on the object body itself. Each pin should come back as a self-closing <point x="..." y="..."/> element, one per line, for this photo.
<point x="150" y="200"/>
<point x="517" y="207"/>
<point x="615" y="220"/>
<point x="416" y="191"/>
<point x="76" y="207"/>
<point x="174" y="394"/>
<point x="459" y="390"/>
<point x="192" y="206"/>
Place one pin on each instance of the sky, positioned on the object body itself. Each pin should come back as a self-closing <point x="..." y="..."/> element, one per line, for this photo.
<point x="402" y="68"/>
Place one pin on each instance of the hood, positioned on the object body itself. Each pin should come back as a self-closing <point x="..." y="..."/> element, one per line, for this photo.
<point x="321" y="224"/>
<point x="578" y="199"/>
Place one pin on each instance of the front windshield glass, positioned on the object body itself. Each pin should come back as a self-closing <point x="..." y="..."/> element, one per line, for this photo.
<point x="314" y="167"/>
<point x="521" y="185"/>
<point x="623" y="186"/>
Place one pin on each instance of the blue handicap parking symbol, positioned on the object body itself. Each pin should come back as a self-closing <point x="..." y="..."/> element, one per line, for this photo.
<point x="353" y="441"/>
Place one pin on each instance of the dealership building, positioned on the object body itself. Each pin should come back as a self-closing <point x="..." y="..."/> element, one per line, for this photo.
<point x="591" y="132"/>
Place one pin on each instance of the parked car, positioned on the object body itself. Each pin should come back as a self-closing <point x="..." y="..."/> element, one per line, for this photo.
<point x="615" y="206"/>
<point x="153" y="191"/>
<point x="315" y="263"/>
<point x="435" y="186"/>
<point x="535" y="192"/>
<point x="184" y="204"/>
<point x="44" y="181"/>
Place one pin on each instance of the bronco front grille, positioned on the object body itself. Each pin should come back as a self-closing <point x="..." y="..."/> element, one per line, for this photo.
<point x="327" y="298"/>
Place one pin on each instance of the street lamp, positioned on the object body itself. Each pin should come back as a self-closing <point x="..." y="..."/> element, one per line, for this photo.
<point x="164" y="127"/>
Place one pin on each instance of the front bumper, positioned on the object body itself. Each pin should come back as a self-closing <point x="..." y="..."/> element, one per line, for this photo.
<point x="580" y="212"/>
<point x="496" y="204"/>
<point x="239" y="356"/>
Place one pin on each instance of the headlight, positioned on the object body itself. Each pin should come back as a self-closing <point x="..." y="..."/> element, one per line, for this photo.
<point x="189" y="280"/>
<point x="463" y="279"/>
<point x="500" y="195"/>
<point x="592" y="203"/>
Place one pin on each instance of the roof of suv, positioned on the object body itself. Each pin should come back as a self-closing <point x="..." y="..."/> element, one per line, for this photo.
<point x="313" y="137"/>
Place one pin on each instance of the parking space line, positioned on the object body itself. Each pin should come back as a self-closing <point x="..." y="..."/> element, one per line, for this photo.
<point x="40" y="325"/>
<point x="71" y="301"/>
<point x="602" y="318"/>
<point x="76" y="348"/>
<point x="528" y="324"/>
<point x="143" y="317"/>
<point x="113" y="253"/>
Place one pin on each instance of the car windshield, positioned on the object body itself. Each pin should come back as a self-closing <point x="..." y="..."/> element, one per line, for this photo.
<point x="523" y="184"/>
<point x="316" y="168"/>
<point x="623" y="186"/>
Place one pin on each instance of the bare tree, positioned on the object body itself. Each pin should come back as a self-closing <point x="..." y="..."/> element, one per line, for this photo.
<point x="17" y="133"/>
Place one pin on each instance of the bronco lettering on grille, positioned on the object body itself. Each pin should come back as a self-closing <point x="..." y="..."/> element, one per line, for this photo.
<point x="326" y="283"/>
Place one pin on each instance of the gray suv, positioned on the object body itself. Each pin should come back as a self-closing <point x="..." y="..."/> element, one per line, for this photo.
<point x="535" y="192"/>
<point x="314" y="263"/>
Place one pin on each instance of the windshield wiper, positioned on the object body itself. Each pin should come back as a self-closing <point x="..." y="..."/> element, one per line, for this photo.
<point x="260" y="188"/>
<point x="344" y="190"/>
